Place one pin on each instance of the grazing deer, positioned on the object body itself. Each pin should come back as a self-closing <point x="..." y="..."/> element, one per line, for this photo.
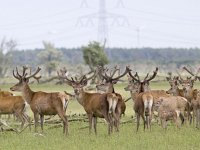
<point x="95" y="104"/>
<point x="143" y="96"/>
<point x="41" y="103"/>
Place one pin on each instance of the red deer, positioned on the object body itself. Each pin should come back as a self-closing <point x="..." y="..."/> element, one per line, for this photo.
<point x="108" y="87"/>
<point x="166" y="113"/>
<point x="14" y="105"/>
<point x="95" y="104"/>
<point x="174" y="86"/>
<point x="177" y="103"/>
<point x="5" y="93"/>
<point x="189" y="92"/>
<point x="144" y="98"/>
<point x="41" y="103"/>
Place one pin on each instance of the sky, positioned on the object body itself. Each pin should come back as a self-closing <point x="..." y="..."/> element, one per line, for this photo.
<point x="74" y="23"/>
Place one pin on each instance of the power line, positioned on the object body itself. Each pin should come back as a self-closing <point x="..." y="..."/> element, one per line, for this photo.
<point x="103" y="18"/>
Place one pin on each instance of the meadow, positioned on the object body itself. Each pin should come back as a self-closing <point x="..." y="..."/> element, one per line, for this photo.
<point x="185" y="138"/>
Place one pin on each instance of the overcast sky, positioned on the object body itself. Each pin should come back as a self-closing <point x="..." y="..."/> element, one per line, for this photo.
<point x="73" y="23"/>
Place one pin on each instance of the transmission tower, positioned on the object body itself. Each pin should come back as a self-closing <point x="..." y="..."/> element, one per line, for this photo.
<point x="84" y="4"/>
<point x="120" y="4"/>
<point x="103" y="17"/>
<point x="102" y="22"/>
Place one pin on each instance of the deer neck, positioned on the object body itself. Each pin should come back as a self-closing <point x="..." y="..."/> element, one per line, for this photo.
<point x="27" y="94"/>
<point x="188" y="93"/>
<point x="134" y="95"/>
<point x="110" y="89"/>
<point x="80" y="97"/>
<point x="176" y="91"/>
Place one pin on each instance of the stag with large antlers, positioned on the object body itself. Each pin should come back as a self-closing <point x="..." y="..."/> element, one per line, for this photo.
<point x="41" y="103"/>
<point x="108" y="87"/>
<point x="95" y="104"/>
<point x="144" y="85"/>
<point x="143" y="97"/>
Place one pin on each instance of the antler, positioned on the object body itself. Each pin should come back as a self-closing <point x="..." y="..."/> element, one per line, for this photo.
<point x="110" y="78"/>
<point x="153" y="76"/>
<point x="190" y="72"/>
<point x="16" y="76"/>
<point x="134" y="76"/>
<point x="146" y="76"/>
<point x="33" y="75"/>
<point x="179" y="75"/>
<point x="24" y="74"/>
<point x="115" y="70"/>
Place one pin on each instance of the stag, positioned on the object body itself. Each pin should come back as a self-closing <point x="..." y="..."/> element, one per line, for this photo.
<point x="143" y="97"/>
<point x="174" y="86"/>
<point x="95" y="104"/>
<point x="41" y="103"/>
<point x="144" y="84"/>
<point x="108" y="86"/>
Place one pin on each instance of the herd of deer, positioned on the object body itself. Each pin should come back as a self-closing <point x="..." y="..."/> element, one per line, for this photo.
<point x="105" y="102"/>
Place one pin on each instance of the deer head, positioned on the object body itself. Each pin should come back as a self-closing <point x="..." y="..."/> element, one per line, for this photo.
<point x="76" y="83"/>
<point x="132" y="86"/>
<point x="174" y="83"/>
<point x="24" y="78"/>
<point x="188" y="83"/>
<point x="109" y="79"/>
<point x="143" y="85"/>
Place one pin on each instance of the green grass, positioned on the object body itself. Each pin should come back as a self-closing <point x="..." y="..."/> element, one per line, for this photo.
<point x="186" y="138"/>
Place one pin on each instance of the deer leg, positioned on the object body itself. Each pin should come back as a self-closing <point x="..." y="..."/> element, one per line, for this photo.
<point x="20" y="116"/>
<point x="182" y="118"/>
<point x="36" y="118"/>
<point x="95" y="124"/>
<point x="144" y="121"/>
<point x="197" y="118"/>
<point x="28" y="119"/>
<point x="150" y="118"/>
<point x="116" y="122"/>
<point x="189" y="114"/>
<point x="90" y="123"/>
<point x="112" y="121"/>
<point x="62" y="115"/>
<point x="41" y="121"/>
<point x="109" y="122"/>
<point x="138" y="120"/>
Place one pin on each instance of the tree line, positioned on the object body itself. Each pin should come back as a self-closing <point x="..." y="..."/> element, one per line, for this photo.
<point x="94" y="54"/>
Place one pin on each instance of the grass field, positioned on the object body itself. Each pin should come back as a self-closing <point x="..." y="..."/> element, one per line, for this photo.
<point x="186" y="138"/>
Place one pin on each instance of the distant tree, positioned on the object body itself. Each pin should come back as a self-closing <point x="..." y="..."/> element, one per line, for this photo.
<point x="94" y="55"/>
<point x="5" y="56"/>
<point x="50" y="57"/>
